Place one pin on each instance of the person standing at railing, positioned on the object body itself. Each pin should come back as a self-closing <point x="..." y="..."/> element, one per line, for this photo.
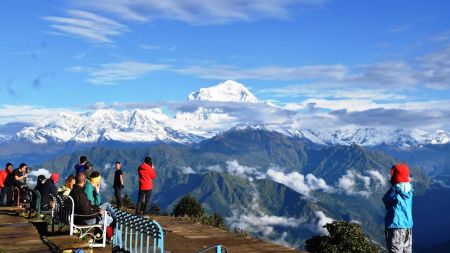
<point x="398" y="202"/>
<point x="146" y="175"/>
<point x="4" y="189"/>
<point x="118" y="184"/>
<point x="80" y="167"/>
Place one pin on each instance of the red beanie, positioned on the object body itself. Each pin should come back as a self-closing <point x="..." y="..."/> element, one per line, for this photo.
<point x="54" y="177"/>
<point x="400" y="173"/>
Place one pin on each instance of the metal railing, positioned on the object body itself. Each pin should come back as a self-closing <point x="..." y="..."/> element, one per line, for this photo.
<point x="215" y="249"/>
<point x="137" y="234"/>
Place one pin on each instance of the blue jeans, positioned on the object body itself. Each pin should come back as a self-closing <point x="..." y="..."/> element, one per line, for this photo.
<point x="117" y="233"/>
<point x="107" y="207"/>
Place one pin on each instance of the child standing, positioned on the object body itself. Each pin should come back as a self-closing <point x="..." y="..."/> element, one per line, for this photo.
<point x="398" y="203"/>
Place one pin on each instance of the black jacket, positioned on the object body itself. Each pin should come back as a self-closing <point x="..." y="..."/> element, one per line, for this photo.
<point x="45" y="189"/>
<point x="82" y="205"/>
<point x="11" y="181"/>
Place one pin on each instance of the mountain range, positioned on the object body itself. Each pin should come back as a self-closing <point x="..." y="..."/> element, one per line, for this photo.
<point x="277" y="187"/>
<point x="154" y="125"/>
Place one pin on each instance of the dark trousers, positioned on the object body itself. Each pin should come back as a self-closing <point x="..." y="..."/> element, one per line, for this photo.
<point x="143" y="201"/>
<point x="6" y="196"/>
<point x="118" y="195"/>
<point x="3" y="196"/>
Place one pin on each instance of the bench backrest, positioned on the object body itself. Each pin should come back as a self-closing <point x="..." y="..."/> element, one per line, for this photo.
<point x="137" y="232"/>
<point x="64" y="208"/>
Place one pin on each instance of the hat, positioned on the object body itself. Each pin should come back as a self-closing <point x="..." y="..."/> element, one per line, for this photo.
<point x="400" y="173"/>
<point x="54" y="177"/>
<point x="96" y="180"/>
<point x="41" y="178"/>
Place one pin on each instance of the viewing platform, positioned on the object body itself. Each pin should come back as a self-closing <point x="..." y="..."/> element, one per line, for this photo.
<point x="19" y="234"/>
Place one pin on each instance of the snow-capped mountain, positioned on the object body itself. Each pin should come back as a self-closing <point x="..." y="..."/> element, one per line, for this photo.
<point x="106" y="125"/>
<point x="228" y="91"/>
<point x="400" y="137"/>
<point x="203" y="121"/>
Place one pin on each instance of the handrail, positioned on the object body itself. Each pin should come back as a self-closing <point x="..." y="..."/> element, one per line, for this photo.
<point x="217" y="248"/>
<point x="131" y="232"/>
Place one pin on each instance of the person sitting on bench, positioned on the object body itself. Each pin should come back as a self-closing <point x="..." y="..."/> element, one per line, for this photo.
<point x="45" y="187"/>
<point x="92" y="213"/>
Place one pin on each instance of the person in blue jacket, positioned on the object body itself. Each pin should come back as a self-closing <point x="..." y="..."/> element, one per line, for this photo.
<point x="80" y="167"/>
<point x="398" y="203"/>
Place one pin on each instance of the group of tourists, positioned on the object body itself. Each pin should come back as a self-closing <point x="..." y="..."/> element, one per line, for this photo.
<point x="84" y="187"/>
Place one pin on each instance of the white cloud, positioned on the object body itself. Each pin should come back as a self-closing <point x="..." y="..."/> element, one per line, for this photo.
<point x="348" y="183"/>
<point x="103" y="185"/>
<point x="28" y="113"/>
<point x="443" y="36"/>
<point x="335" y="91"/>
<point x="335" y="72"/>
<point x="254" y="219"/>
<point x="321" y="221"/>
<point x="41" y="171"/>
<point x="187" y="170"/>
<point x="377" y="176"/>
<point x="200" y="11"/>
<point x="87" y="26"/>
<point x="261" y="223"/>
<point x="215" y="168"/>
<point x="299" y="182"/>
<point x="354" y="183"/>
<point x="107" y="166"/>
<point x="378" y="81"/>
<point x="32" y="177"/>
<point x="234" y="168"/>
<point x="112" y="73"/>
<point x="155" y="47"/>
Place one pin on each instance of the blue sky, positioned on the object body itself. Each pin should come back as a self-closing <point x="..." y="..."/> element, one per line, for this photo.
<point x="75" y="54"/>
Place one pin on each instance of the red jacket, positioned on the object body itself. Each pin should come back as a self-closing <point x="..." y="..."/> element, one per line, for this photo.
<point x="3" y="175"/>
<point x="146" y="175"/>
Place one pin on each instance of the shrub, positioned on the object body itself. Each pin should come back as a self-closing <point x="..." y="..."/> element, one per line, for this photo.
<point x="216" y="220"/>
<point x="128" y="202"/>
<point x="188" y="206"/>
<point x="240" y="232"/>
<point x="154" y="209"/>
<point x="344" y="237"/>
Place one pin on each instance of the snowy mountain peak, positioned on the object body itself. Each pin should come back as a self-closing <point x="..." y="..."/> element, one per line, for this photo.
<point x="106" y="125"/>
<point x="370" y="136"/>
<point x="228" y="91"/>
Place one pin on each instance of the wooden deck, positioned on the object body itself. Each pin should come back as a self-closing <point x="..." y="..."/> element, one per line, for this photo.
<point x="17" y="234"/>
<point x="187" y="237"/>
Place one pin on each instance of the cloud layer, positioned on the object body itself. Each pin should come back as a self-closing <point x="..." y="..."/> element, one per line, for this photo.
<point x="200" y="11"/>
<point x="86" y="25"/>
<point x="298" y="182"/>
<point x="112" y="73"/>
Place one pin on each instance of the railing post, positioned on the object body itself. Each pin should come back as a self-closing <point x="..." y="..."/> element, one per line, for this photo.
<point x="126" y="234"/>
<point x="219" y="249"/>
